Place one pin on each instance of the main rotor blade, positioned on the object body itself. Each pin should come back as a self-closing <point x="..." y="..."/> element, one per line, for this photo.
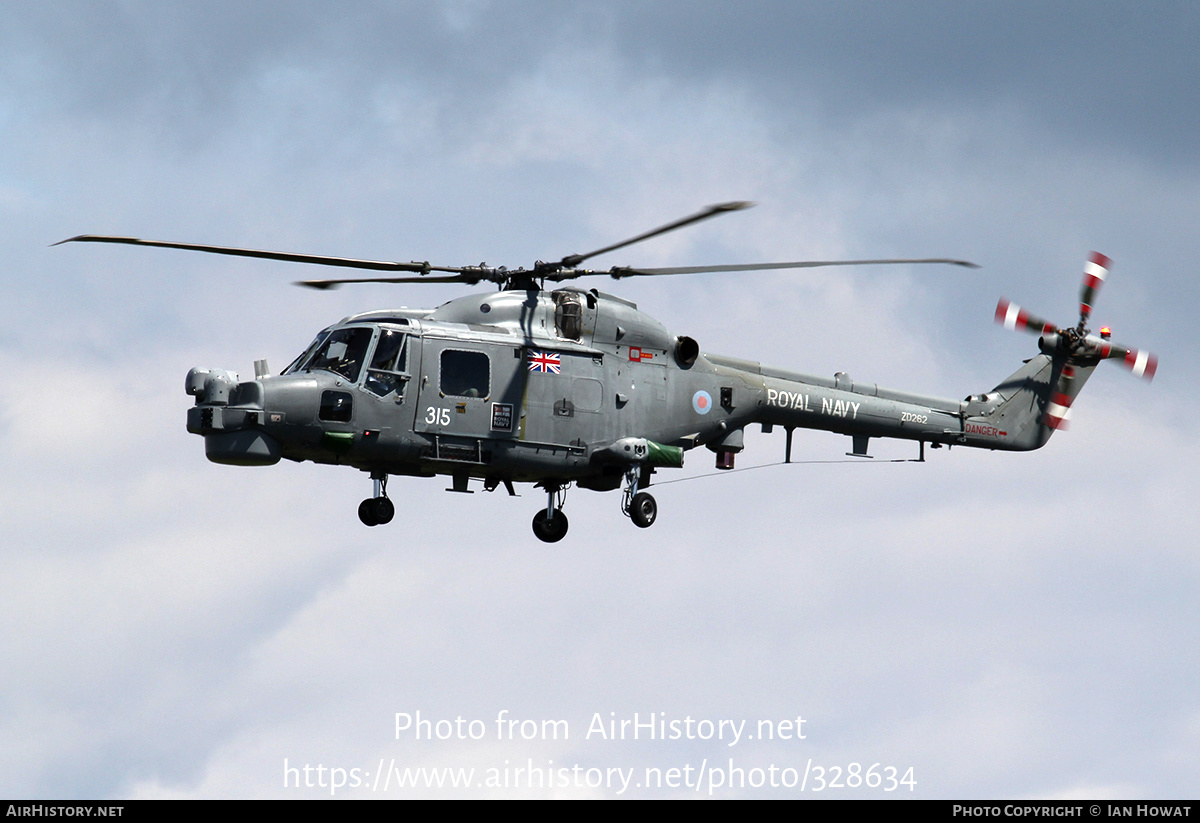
<point x="346" y="262"/>
<point x="618" y="272"/>
<point x="446" y="278"/>
<point x="572" y="260"/>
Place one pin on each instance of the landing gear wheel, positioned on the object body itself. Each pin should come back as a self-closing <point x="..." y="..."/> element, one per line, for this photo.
<point x="550" y="528"/>
<point x="643" y="510"/>
<point x="375" y="511"/>
<point x="384" y="510"/>
<point x="366" y="512"/>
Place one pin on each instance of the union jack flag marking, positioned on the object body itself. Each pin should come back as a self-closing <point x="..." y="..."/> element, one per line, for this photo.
<point x="545" y="361"/>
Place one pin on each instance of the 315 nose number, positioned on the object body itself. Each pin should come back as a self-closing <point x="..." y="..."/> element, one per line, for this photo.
<point x="437" y="417"/>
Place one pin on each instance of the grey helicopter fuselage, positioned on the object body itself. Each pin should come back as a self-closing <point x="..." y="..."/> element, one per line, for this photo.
<point x="578" y="387"/>
<point x="556" y="387"/>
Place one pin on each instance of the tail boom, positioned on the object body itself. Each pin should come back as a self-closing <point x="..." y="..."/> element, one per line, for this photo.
<point x="1019" y="414"/>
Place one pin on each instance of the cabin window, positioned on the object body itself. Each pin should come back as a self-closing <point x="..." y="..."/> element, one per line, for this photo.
<point x="465" y="373"/>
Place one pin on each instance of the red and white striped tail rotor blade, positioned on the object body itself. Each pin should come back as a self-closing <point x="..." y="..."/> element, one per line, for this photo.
<point x="1094" y="275"/>
<point x="1142" y="363"/>
<point x="1013" y="317"/>
<point x="1058" y="410"/>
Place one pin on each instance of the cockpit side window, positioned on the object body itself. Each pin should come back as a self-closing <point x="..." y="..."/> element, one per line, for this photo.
<point x="389" y="352"/>
<point x="388" y="364"/>
<point x="343" y="352"/>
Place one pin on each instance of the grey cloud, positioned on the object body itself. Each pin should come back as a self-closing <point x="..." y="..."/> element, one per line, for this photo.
<point x="1008" y="623"/>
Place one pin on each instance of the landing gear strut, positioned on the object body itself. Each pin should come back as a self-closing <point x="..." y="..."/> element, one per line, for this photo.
<point x="640" y="506"/>
<point x="377" y="510"/>
<point x="550" y="524"/>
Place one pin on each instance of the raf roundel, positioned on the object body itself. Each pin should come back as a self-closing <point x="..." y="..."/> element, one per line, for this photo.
<point x="701" y="402"/>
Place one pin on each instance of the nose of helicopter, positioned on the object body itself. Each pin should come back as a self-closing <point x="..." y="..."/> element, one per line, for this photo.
<point x="229" y="415"/>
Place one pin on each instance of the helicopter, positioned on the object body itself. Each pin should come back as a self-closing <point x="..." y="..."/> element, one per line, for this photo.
<point x="560" y="385"/>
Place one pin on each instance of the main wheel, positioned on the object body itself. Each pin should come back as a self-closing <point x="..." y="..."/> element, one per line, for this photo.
<point x="643" y="510"/>
<point x="550" y="529"/>
<point x="384" y="510"/>
<point x="366" y="512"/>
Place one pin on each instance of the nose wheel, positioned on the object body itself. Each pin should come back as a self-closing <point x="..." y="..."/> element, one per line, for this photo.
<point x="550" y="524"/>
<point x="640" y="506"/>
<point x="643" y="510"/>
<point x="377" y="510"/>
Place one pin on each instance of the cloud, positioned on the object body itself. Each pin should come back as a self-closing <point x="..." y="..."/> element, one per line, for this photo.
<point x="1007" y="625"/>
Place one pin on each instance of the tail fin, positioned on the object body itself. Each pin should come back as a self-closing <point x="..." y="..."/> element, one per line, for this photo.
<point x="1028" y="405"/>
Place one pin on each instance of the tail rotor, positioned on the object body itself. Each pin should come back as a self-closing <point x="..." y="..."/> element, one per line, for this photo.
<point x="1074" y="346"/>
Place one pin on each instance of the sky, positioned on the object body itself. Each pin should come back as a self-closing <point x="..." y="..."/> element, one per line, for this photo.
<point x="981" y="625"/>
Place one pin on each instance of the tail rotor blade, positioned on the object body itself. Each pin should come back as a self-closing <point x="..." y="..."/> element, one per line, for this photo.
<point x="1013" y="317"/>
<point x="1095" y="272"/>
<point x="1058" y="410"/>
<point x="1142" y="363"/>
